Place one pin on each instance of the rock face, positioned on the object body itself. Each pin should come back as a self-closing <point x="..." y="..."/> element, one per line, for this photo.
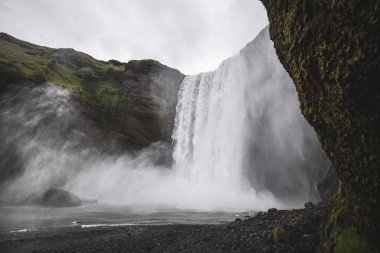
<point x="60" y="198"/>
<point x="134" y="101"/>
<point x="331" y="51"/>
<point x="329" y="185"/>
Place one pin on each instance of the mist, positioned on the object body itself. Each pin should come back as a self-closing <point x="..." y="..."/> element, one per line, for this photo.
<point x="241" y="127"/>
<point x="50" y="138"/>
<point x="239" y="143"/>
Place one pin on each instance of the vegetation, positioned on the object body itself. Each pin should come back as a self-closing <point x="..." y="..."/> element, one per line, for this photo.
<point x="118" y="96"/>
<point x="277" y="234"/>
<point x="350" y="242"/>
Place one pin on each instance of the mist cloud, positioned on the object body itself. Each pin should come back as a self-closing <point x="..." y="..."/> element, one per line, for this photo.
<point x="192" y="36"/>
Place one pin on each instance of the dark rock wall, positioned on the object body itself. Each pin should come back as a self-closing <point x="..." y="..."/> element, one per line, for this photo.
<point x="328" y="186"/>
<point x="331" y="51"/>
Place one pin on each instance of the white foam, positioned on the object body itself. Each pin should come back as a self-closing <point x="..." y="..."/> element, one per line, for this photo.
<point x="107" y="225"/>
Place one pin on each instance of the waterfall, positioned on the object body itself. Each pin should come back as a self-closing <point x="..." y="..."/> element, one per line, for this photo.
<point x="239" y="143"/>
<point x="209" y="126"/>
<point x="240" y="127"/>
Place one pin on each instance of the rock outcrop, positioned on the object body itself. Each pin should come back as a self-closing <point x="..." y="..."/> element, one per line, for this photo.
<point x="60" y="198"/>
<point x="331" y="51"/>
<point x="134" y="101"/>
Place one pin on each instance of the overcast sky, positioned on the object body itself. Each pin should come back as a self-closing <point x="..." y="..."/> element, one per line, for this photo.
<point x="190" y="35"/>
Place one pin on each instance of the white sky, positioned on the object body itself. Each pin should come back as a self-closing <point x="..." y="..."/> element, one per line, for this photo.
<point x="190" y="35"/>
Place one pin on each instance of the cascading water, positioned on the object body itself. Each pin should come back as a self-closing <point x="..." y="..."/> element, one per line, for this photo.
<point x="209" y="130"/>
<point x="240" y="127"/>
<point x="240" y="142"/>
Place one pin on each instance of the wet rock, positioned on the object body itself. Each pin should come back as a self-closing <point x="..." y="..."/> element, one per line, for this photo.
<point x="60" y="198"/>
<point x="309" y="205"/>
<point x="259" y="214"/>
<point x="329" y="185"/>
<point x="272" y="211"/>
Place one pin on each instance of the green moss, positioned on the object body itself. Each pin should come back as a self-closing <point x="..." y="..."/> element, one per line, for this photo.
<point x="330" y="50"/>
<point x="350" y="242"/>
<point x="86" y="74"/>
<point x="278" y="234"/>
<point x="98" y="85"/>
<point x="9" y="69"/>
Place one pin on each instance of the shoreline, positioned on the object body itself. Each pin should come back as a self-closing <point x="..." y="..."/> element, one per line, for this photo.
<point x="301" y="231"/>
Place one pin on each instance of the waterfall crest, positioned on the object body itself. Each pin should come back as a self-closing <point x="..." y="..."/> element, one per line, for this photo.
<point x="241" y="126"/>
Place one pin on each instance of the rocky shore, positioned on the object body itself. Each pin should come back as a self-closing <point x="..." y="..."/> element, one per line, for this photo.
<point x="295" y="230"/>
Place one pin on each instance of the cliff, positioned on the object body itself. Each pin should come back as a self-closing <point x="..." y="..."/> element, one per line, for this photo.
<point x="331" y="51"/>
<point x="133" y="101"/>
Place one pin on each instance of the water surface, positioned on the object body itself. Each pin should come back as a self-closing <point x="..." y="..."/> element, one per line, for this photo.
<point x="28" y="218"/>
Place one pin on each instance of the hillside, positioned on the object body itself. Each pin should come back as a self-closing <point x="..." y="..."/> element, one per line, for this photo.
<point x="133" y="101"/>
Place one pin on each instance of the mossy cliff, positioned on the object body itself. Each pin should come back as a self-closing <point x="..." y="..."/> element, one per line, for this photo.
<point x="134" y="101"/>
<point x="331" y="51"/>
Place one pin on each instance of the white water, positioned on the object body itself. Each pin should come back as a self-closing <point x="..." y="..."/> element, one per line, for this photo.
<point x="240" y="143"/>
<point x="209" y="138"/>
<point x="239" y="130"/>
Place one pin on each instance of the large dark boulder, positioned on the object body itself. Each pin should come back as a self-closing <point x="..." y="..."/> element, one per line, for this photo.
<point x="331" y="51"/>
<point x="60" y="198"/>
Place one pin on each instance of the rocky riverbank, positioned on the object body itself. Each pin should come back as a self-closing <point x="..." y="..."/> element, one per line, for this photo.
<point x="272" y="231"/>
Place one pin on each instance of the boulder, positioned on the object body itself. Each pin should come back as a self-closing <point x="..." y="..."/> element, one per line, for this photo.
<point x="60" y="198"/>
